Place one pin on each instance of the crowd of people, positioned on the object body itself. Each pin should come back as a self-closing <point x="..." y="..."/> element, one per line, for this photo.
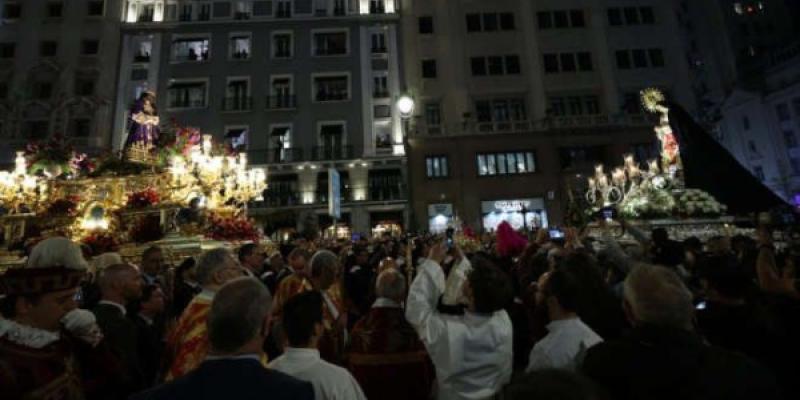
<point x="520" y="316"/>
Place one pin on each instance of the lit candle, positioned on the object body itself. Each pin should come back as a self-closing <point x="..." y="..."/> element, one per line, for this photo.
<point x="206" y="144"/>
<point x="653" y="167"/>
<point x="602" y="182"/>
<point x="629" y="161"/>
<point x="20" y="165"/>
<point x="598" y="170"/>
<point x="618" y="176"/>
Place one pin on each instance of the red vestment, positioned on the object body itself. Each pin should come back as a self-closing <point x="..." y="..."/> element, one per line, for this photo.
<point x="387" y="358"/>
<point x="187" y="345"/>
<point x="46" y="373"/>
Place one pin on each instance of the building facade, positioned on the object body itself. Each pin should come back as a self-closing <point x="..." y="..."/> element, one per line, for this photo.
<point x="518" y="100"/>
<point x="761" y="127"/>
<point x="729" y="44"/>
<point x="58" y="68"/>
<point x="303" y="86"/>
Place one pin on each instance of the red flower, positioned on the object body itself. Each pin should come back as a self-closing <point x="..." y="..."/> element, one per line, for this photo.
<point x="143" y="199"/>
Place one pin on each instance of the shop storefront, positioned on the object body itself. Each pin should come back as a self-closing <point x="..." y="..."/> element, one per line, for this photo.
<point x="342" y="229"/>
<point x="520" y="213"/>
<point x="440" y="216"/>
<point x="388" y="222"/>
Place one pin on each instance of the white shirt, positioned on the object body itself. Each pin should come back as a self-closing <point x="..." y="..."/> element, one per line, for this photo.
<point x="330" y="381"/>
<point x="471" y="353"/>
<point x="564" y="346"/>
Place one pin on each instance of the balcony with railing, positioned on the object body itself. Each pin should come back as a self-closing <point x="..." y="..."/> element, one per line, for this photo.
<point x="285" y="155"/>
<point x="284" y="102"/>
<point x="387" y="192"/>
<point x="186" y="103"/>
<point x="380" y="94"/>
<point x="241" y="103"/>
<point x="326" y="153"/>
<point x="468" y="127"/>
<point x="321" y="197"/>
<point x="281" y="198"/>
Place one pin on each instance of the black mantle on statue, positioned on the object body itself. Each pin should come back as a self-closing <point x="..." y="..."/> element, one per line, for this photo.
<point x="708" y="166"/>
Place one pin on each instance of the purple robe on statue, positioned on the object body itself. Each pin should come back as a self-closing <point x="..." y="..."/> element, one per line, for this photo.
<point x="142" y="124"/>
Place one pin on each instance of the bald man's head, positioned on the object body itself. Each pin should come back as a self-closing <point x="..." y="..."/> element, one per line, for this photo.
<point x="391" y="285"/>
<point x="121" y="283"/>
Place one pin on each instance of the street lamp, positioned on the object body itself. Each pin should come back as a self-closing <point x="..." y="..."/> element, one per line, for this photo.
<point x="405" y="106"/>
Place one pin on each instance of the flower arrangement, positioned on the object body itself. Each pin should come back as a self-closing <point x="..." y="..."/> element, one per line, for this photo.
<point x="101" y="242"/>
<point x="81" y="164"/>
<point x="232" y="228"/>
<point x="66" y="206"/>
<point x="651" y="202"/>
<point x="53" y="157"/>
<point x="697" y="203"/>
<point x="178" y="143"/>
<point x="143" y="199"/>
<point x="146" y="228"/>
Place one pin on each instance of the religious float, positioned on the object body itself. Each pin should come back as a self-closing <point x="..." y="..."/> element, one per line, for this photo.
<point x="179" y="190"/>
<point x="656" y="195"/>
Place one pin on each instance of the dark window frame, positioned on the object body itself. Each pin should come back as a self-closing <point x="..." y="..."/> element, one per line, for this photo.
<point x="429" y="68"/>
<point x="426" y="25"/>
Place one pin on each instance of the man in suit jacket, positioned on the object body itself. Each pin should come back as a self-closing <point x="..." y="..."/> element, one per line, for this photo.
<point x="148" y="315"/>
<point x="119" y="285"/>
<point x="237" y="326"/>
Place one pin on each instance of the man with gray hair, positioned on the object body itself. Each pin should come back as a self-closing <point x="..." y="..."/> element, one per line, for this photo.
<point x="238" y="323"/>
<point x="187" y="346"/>
<point x="664" y="358"/>
<point x="385" y="354"/>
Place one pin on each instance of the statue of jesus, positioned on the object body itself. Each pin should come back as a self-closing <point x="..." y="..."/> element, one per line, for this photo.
<point x="143" y="121"/>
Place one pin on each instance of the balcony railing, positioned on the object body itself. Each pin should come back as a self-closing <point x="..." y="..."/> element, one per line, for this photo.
<point x="587" y="121"/>
<point x="325" y="153"/>
<point x="191" y="57"/>
<point x="281" y="102"/>
<point x="380" y="94"/>
<point x="285" y="155"/>
<point x="237" y="103"/>
<point x="331" y="96"/>
<point x="321" y="196"/>
<point x="379" y="50"/>
<point x="387" y="192"/>
<point x="141" y="58"/>
<point x="182" y="103"/>
<point x="281" y="199"/>
<point x="241" y="15"/>
<point x="204" y="17"/>
<point x="276" y="156"/>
